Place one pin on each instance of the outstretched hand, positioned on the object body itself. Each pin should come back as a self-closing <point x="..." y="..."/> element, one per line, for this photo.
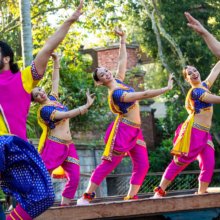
<point x="90" y="98"/>
<point x="55" y="56"/>
<point x="75" y="16"/>
<point x="194" y="24"/>
<point x="119" y="32"/>
<point x="170" y="81"/>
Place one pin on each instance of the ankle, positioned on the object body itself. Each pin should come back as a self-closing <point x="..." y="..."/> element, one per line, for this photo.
<point x="201" y="192"/>
<point x="131" y="197"/>
<point x="159" y="191"/>
<point x="89" y="196"/>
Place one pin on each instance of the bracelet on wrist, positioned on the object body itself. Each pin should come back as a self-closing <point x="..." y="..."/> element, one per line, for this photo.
<point x="83" y="110"/>
<point x="56" y="67"/>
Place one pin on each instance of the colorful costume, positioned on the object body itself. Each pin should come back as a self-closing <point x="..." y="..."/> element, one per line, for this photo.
<point x="23" y="173"/>
<point x="56" y="152"/>
<point x="123" y="137"/>
<point x="193" y="141"/>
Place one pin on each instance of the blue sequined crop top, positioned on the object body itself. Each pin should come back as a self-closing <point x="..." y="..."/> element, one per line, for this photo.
<point x="197" y="96"/>
<point x="47" y="112"/>
<point x="118" y="106"/>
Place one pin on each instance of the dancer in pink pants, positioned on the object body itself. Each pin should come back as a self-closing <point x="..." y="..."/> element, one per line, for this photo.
<point x="192" y="139"/>
<point x="124" y="136"/>
<point x="56" y="146"/>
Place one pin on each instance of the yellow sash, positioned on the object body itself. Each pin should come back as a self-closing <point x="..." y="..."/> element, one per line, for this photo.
<point x="182" y="143"/>
<point x="59" y="171"/>
<point x="107" y="154"/>
<point x="44" y="131"/>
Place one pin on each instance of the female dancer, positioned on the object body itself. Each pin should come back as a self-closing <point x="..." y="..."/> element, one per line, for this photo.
<point x="124" y="136"/>
<point x="23" y="173"/>
<point x="192" y="139"/>
<point x="56" y="146"/>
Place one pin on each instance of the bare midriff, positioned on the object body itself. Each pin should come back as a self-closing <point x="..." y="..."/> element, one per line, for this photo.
<point x="62" y="130"/>
<point x="133" y="115"/>
<point x="204" y="117"/>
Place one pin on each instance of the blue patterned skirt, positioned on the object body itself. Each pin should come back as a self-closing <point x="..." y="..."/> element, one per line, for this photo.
<point x="24" y="175"/>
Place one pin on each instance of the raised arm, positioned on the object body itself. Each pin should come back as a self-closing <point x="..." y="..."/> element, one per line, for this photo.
<point x="77" y="111"/>
<point x="56" y="73"/>
<point x="51" y="44"/>
<point x="211" y="41"/>
<point x="131" y="97"/>
<point x="213" y="74"/>
<point x="122" y="63"/>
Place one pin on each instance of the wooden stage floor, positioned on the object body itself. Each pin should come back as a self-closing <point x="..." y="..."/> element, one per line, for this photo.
<point x="144" y="208"/>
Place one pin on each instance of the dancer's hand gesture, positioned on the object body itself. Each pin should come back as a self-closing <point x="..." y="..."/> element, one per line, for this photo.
<point x="75" y="16"/>
<point x="194" y="24"/>
<point x="55" y="57"/>
<point x="90" y="98"/>
<point x="170" y="81"/>
<point x="119" y="32"/>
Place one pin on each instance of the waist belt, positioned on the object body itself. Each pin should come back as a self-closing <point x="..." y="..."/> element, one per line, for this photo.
<point x="131" y="123"/>
<point x="201" y="127"/>
<point x="53" y="138"/>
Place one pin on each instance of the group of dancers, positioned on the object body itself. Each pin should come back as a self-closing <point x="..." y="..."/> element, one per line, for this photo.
<point x="25" y="173"/>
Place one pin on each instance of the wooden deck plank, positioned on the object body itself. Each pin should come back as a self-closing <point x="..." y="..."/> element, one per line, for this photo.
<point x="116" y="208"/>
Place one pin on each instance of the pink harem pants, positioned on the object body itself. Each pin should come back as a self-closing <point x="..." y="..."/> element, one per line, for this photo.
<point x="128" y="140"/>
<point x="202" y="149"/>
<point x="57" y="154"/>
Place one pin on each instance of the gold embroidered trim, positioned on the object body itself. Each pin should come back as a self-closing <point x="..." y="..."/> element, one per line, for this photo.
<point x="203" y="96"/>
<point x="58" y="140"/>
<point x="210" y="143"/>
<point x="72" y="160"/>
<point x="141" y="143"/>
<point x="208" y="83"/>
<point x="52" y="116"/>
<point x="201" y="127"/>
<point x="131" y="123"/>
<point x="55" y="95"/>
<point x="177" y="162"/>
<point x="123" y="96"/>
<point x="118" y="153"/>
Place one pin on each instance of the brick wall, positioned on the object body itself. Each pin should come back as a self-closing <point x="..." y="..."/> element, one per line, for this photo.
<point x="109" y="58"/>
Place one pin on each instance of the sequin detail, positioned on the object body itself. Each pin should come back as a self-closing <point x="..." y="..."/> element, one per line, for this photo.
<point x="201" y="127"/>
<point x="72" y="160"/>
<point x="34" y="72"/>
<point x="131" y="123"/>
